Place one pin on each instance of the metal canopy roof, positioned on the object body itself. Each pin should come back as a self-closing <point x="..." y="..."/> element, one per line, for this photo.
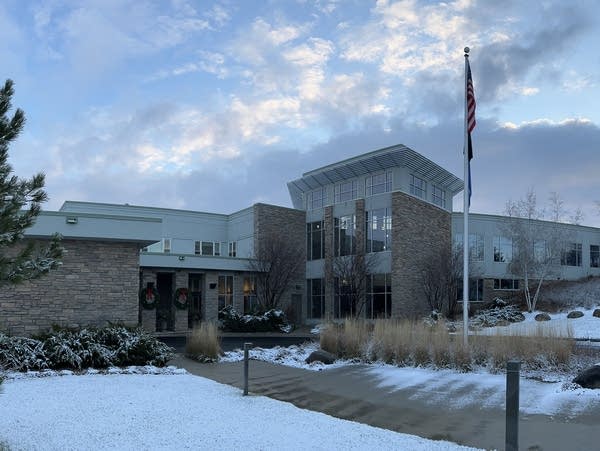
<point x="378" y="160"/>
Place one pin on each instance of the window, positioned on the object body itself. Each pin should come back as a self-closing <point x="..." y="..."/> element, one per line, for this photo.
<point x="379" y="230"/>
<point x="345" y="191"/>
<point x="475" y="245"/>
<point x="167" y="245"/>
<point x="475" y="290"/>
<point x="571" y="255"/>
<point x="314" y="241"/>
<point x="198" y="247"/>
<point x="315" y="199"/>
<point x="344" y="239"/>
<point x="344" y="299"/>
<point x="315" y="294"/>
<point x="503" y="249"/>
<point x="438" y="196"/>
<point x="217" y="249"/>
<point x="418" y="187"/>
<point x="379" y="296"/>
<point x="225" y="294"/>
<point x="378" y="183"/>
<point x="594" y="256"/>
<point x="207" y="248"/>
<point x="506" y="284"/>
<point x="250" y="301"/>
<point x="232" y="248"/>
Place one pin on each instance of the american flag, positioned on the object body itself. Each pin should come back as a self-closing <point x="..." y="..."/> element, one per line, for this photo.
<point x="470" y="107"/>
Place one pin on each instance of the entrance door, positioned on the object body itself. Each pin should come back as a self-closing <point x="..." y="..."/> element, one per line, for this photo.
<point x="195" y="301"/>
<point x="164" y="311"/>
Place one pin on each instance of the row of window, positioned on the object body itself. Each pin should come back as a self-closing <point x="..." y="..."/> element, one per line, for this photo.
<point x="378" y="234"/>
<point x="571" y="254"/>
<point x="374" y="184"/>
<point x="212" y="248"/>
<point x="346" y="303"/>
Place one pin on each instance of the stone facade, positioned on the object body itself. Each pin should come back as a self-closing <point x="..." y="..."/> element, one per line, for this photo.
<point x="420" y="230"/>
<point x="270" y="220"/>
<point x="97" y="283"/>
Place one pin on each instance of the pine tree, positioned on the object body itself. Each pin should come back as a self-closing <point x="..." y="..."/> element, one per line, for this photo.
<point x="20" y="204"/>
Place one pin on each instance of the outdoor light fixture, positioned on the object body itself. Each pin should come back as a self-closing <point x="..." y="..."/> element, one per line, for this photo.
<point x="212" y="285"/>
<point x="71" y="220"/>
<point x="181" y="258"/>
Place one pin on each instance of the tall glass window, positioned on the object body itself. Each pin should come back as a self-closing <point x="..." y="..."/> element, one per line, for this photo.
<point x="475" y="290"/>
<point x="345" y="191"/>
<point x="379" y="230"/>
<point x="344" y="235"/>
<point x="344" y="299"/>
<point x="475" y="245"/>
<point x="418" y="187"/>
<point x="594" y="256"/>
<point x="232" y="249"/>
<point x="378" y="183"/>
<point x="250" y="302"/>
<point x="315" y="295"/>
<point x="571" y="255"/>
<point x="315" y="199"/>
<point x="438" y="196"/>
<point x="314" y="241"/>
<point x="198" y="247"/>
<point x="503" y="249"/>
<point x="225" y="291"/>
<point x="379" y="296"/>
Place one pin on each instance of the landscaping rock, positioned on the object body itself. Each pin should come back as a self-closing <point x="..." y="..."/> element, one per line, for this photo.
<point x="575" y="314"/>
<point x="518" y="317"/>
<point x="596" y="313"/>
<point x="589" y="378"/>
<point x="321" y="356"/>
<point x="542" y="317"/>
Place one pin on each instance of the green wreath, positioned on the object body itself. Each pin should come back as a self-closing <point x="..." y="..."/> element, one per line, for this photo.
<point x="149" y="298"/>
<point x="181" y="298"/>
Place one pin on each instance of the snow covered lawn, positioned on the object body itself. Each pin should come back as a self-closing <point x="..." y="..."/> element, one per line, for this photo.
<point x="586" y="327"/>
<point x="173" y="411"/>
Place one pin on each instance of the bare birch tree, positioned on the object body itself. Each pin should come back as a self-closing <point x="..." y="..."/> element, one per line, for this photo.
<point x="537" y="244"/>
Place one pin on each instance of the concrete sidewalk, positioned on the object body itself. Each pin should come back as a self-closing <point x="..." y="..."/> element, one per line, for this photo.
<point x="352" y="393"/>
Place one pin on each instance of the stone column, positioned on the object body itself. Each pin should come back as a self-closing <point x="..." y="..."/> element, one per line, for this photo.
<point x="181" y="316"/>
<point x="210" y="299"/>
<point x="328" y="272"/>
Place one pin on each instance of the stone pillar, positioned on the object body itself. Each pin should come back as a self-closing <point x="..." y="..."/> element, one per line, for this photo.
<point x="148" y="316"/>
<point x="181" y="316"/>
<point x="210" y="303"/>
<point x="328" y="273"/>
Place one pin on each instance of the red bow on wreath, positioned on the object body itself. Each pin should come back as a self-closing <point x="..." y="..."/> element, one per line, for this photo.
<point x="149" y="294"/>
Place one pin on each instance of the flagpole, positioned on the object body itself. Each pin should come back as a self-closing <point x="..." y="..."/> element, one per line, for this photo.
<point x="466" y="217"/>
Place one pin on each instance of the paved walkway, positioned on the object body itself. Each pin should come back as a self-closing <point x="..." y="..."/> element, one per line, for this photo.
<point x="352" y="393"/>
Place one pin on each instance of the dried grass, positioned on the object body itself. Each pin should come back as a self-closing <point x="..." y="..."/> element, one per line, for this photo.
<point x="203" y="343"/>
<point x="405" y="342"/>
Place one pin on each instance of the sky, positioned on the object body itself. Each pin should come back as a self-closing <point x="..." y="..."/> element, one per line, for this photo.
<point x="214" y="106"/>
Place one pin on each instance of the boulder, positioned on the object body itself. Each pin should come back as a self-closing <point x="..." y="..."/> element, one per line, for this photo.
<point x="542" y="317"/>
<point x="321" y="356"/>
<point x="575" y="314"/>
<point x="589" y="378"/>
<point x="596" y="313"/>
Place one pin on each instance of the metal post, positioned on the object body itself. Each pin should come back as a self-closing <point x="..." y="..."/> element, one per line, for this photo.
<point x="512" y="405"/>
<point x="246" y="359"/>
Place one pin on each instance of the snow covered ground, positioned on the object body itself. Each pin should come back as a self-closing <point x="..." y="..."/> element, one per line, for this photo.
<point x="585" y="327"/>
<point x="172" y="411"/>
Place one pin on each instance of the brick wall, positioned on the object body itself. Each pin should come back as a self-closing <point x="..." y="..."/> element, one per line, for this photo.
<point x="419" y="231"/>
<point x="97" y="283"/>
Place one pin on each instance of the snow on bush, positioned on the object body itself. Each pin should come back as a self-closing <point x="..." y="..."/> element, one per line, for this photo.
<point x="501" y="314"/>
<point x="270" y="321"/>
<point x="85" y="348"/>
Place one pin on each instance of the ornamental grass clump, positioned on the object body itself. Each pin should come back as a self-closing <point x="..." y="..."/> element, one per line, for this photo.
<point x="203" y="343"/>
<point x="354" y="339"/>
<point x="329" y="338"/>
